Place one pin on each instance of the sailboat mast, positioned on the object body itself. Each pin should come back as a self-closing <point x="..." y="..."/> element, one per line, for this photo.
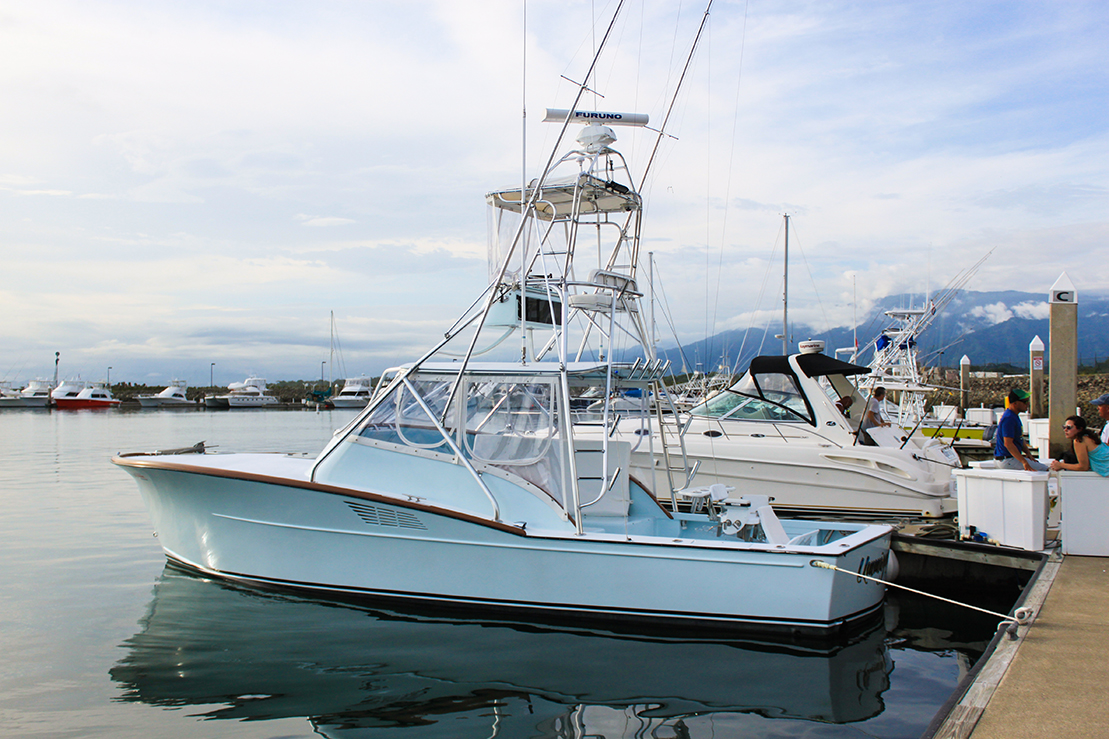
<point x="785" y="293"/>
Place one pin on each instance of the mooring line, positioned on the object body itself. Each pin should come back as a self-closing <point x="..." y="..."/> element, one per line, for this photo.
<point x="1021" y="616"/>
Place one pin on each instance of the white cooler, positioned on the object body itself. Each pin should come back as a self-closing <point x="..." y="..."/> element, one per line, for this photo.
<point x="1084" y="498"/>
<point x="1008" y="506"/>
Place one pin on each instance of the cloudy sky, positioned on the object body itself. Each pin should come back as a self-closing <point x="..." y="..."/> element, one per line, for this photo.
<point x="188" y="183"/>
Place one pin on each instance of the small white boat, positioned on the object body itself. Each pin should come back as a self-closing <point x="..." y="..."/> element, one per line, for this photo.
<point x="67" y="389"/>
<point x="216" y="402"/>
<point x="251" y="393"/>
<point x="175" y="395"/>
<point x="777" y="430"/>
<point x="9" y="396"/>
<point x="356" y="393"/>
<point x="92" y="395"/>
<point x="471" y="485"/>
<point x="36" y="394"/>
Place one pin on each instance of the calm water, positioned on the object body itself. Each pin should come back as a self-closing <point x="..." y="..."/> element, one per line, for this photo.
<point x="100" y="639"/>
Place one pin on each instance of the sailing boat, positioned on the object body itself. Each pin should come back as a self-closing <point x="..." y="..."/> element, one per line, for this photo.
<point x="468" y="482"/>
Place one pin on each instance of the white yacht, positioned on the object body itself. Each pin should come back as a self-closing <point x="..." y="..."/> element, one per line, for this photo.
<point x="36" y="394"/>
<point x="777" y="430"/>
<point x="356" y="393"/>
<point x="468" y="483"/>
<point x="91" y="395"/>
<point x="175" y="395"/>
<point x="9" y="396"/>
<point x="250" y="393"/>
<point x="67" y="389"/>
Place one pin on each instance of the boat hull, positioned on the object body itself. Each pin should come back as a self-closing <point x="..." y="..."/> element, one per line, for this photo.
<point x="287" y="532"/>
<point x="803" y="476"/>
<point x="163" y="402"/>
<point x="79" y="403"/>
<point x="251" y="401"/>
<point x="341" y="402"/>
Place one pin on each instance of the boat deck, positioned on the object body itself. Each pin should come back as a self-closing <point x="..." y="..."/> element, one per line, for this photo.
<point x="1051" y="682"/>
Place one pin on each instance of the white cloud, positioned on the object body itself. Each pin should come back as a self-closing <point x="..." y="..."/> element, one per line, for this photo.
<point x="995" y="313"/>
<point x="306" y="220"/>
<point x="1036" y="310"/>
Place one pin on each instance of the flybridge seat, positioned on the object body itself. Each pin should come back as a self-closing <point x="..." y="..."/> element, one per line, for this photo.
<point x="610" y="287"/>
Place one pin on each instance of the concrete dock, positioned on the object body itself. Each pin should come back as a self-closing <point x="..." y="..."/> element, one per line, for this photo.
<point x="1053" y="682"/>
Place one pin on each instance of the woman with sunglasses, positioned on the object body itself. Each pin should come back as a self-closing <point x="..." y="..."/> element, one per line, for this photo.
<point x="1088" y="449"/>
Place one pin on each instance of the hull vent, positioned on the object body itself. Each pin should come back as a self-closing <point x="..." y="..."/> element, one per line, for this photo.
<point x="386" y="516"/>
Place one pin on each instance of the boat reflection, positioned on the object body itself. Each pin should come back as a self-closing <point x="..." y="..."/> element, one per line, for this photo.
<point x="251" y="655"/>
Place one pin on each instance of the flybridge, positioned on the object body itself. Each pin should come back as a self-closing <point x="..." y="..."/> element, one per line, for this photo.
<point x="596" y="116"/>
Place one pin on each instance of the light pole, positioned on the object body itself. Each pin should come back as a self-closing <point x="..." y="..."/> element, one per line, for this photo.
<point x="212" y="375"/>
<point x="109" y="378"/>
<point x="321" y="370"/>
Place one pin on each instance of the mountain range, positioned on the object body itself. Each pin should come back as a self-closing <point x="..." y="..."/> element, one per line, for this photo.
<point x="993" y="329"/>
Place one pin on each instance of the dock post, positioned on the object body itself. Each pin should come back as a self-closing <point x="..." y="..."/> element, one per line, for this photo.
<point x="1063" y="360"/>
<point x="964" y="385"/>
<point x="1036" y="386"/>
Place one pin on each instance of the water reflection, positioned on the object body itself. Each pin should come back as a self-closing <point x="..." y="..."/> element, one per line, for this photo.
<point x="249" y="655"/>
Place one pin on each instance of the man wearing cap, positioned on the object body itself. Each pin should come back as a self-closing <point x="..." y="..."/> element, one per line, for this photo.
<point x="1009" y="451"/>
<point x="1102" y="405"/>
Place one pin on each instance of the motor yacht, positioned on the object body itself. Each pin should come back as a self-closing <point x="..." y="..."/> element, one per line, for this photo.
<point x="778" y="430"/>
<point x="467" y="483"/>
<point x="36" y="394"/>
<point x="92" y="395"/>
<point x="250" y="393"/>
<point x="175" y="395"/>
<point x="355" y="393"/>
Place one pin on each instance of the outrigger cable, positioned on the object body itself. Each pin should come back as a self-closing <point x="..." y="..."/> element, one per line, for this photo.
<point x="1021" y="616"/>
<point x="674" y="97"/>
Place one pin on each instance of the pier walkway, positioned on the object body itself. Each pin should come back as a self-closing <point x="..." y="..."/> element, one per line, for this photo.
<point x="1053" y="683"/>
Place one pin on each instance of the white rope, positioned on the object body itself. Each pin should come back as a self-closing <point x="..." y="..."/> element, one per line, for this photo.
<point x="1021" y="615"/>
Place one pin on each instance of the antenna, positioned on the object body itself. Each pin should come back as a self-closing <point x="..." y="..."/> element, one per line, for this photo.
<point x="557" y="115"/>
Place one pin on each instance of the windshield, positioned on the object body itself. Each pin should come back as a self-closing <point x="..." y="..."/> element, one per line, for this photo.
<point x="770" y="396"/>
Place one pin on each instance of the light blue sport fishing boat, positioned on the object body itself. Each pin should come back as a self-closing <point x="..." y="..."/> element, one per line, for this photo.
<point x="469" y="482"/>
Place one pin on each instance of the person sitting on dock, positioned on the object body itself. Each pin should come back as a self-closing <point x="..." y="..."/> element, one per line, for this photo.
<point x="1010" y="452"/>
<point x="1102" y="405"/>
<point x="1088" y="449"/>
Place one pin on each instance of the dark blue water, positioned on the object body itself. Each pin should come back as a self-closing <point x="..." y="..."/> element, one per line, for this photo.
<point x="99" y="638"/>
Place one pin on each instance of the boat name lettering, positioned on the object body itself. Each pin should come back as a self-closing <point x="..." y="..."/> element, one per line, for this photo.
<point x="873" y="567"/>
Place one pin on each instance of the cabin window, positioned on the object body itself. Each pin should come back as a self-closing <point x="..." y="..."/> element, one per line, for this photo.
<point x="509" y="423"/>
<point x="401" y="419"/>
<point x="769" y="396"/>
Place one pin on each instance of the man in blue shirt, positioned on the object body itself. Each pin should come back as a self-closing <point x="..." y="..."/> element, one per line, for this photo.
<point x="1009" y="451"/>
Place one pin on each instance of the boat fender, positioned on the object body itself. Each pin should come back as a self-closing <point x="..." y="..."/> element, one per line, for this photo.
<point x="893" y="567"/>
